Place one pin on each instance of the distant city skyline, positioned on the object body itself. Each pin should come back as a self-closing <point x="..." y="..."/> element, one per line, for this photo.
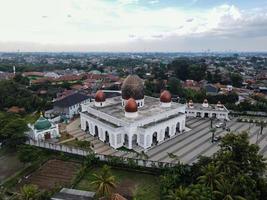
<point x="133" y="25"/>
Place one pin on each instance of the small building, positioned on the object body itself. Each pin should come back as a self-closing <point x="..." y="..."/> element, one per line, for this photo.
<point x="72" y="194"/>
<point x="71" y="104"/>
<point x="211" y="89"/>
<point x="205" y="109"/>
<point x="43" y="129"/>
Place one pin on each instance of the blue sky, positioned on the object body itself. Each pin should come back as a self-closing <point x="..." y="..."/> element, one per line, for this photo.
<point x="133" y="25"/>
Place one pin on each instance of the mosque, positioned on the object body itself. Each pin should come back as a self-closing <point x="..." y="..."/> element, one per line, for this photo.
<point x="138" y="120"/>
<point x="133" y="119"/>
<point x="43" y="129"/>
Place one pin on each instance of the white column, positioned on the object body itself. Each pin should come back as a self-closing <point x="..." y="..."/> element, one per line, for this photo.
<point x="102" y="135"/>
<point x="83" y="124"/>
<point x="92" y="128"/>
<point x="130" y="142"/>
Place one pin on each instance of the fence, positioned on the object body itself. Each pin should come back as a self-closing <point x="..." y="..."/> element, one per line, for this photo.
<point x="102" y="157"/>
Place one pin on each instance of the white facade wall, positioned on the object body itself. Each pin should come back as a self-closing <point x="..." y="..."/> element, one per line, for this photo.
<point x="133" y="132"/>
<point x="75" y="109"/>
<point x="40" y="135"/>
<point x="219" y="114"/>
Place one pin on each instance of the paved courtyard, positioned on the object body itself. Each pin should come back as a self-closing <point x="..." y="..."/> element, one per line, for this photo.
<point x="187" y="147"/>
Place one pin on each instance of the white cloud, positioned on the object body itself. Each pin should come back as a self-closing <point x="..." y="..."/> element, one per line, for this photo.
<point x="153" y="2"/>
<point x="99" y="22"/>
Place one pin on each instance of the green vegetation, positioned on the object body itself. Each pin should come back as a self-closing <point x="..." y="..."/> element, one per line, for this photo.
<point x="184" y="69"/>
<point x="15" y="94"/>
<point x="235" y="172"/>
<point x="12" y="130"/>
<point x="141" y="186"/>
<point x="104" y="182"/>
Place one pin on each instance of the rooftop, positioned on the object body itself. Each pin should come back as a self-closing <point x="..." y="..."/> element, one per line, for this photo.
<point x="71" y="100"/>
<point x="198" y="106"/>
<point x="151" y="107"/>
<point x="71" y="194"/>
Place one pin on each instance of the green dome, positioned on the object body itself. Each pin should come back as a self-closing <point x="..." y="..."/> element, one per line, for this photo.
<point x="42" y="124"/>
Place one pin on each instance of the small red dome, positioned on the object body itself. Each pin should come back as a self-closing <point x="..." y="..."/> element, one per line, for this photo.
<point x="131" y="105"/>
<point x="100" y="96"/>
<point x="165" y="97"/>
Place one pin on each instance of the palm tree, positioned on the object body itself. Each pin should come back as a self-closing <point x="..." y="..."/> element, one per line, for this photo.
<point x="226" y="191"/>
<point x="212" y="130"/>
<point x="262" y="125"/>
<point x="180" y="193"/>
<point x="29" y="192"/>
<point x="211" y="175"/>
<point x="211" y="121"/>
<point x="227" y="165"/>
<point x="104" y="182"/>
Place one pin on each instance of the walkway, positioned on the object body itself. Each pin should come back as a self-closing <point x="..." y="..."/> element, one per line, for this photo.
<point x="189" y="146"/>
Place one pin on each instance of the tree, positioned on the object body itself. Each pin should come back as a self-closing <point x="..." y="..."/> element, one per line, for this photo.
<point x="262" y="125"/>
<point x="245" y="156"/>
<point x="212" y="130"/>
<point x="210" y="175"/>
<point x="21" y="79"/>
<point x="226" y="191"/>
<point x="174" y="85"/>
<point x="180" y="193"/>
<point x="104" y="182"/>
<point x="236" y="79"/>
<point x="29" y="192"/>
<point x="27" y="153"/>
<point x="12" y="132"/>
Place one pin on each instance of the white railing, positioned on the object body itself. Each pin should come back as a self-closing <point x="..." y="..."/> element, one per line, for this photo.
<point x="102" y="157"/>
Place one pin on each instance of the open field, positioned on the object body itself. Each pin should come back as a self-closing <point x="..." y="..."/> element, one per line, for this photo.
<point x="53" y="172"/>
<point x="9" y="165"/>
<point x="129" y="184"/>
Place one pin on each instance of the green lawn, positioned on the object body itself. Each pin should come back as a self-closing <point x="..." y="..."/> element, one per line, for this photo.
<point x="139" y="185"/>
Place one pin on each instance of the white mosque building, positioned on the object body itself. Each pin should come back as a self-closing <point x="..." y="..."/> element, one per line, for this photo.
<point x="133" y="119"/>
<point x="137" y="120"/>
<point x="43" y="129"/>
<point x="218" y="111"/>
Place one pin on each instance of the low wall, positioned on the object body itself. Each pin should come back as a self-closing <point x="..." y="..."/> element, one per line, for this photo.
<point x="102" y="157"/>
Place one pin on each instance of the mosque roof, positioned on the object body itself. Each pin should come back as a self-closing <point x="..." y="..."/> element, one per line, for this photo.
<point x="151" y="108"/>
<point x="132" y="87"/>
<point x="42" y="123"/>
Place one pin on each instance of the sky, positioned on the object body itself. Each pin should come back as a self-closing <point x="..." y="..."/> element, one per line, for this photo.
<point x="133" y="25"/>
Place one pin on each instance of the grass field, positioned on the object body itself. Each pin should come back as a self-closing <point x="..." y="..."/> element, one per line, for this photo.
<point x="129" y="184"/>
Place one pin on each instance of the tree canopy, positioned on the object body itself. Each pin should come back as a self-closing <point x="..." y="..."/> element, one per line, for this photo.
<point x="235" y="172"/>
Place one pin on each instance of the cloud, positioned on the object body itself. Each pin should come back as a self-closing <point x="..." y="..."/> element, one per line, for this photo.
<point x="115" y="24"/>
<point x="153" y="2"/>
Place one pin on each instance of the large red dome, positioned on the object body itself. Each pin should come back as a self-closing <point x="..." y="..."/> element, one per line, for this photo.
<point x="131" y="105"/>
<point x="165" y="96"/>
<point x="100" y="96"/>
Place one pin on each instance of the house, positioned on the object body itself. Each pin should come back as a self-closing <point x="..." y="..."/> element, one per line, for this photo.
<point x="70" y="105"/>
<point x="211" y="89"/>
